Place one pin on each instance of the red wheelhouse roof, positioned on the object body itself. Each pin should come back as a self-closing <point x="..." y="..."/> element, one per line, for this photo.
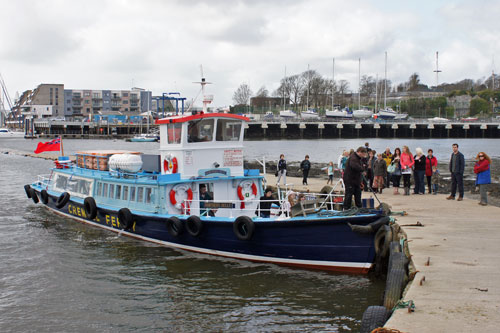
<point x="201" y="115"/>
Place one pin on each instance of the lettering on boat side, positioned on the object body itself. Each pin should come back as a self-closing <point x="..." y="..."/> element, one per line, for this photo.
<point x="109" y="220"/>
<point x="215" y="205"/>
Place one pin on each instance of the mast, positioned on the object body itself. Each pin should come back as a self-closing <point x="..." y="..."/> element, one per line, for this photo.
<point x="385" y="83"/>
<point x="376" y="92"/>
<point x="359" y="84"/>
<point x="437" y="71"/>
<point x="284" y="83"/>
<point x="333" y="83"/>
<point x="308" y="84"/>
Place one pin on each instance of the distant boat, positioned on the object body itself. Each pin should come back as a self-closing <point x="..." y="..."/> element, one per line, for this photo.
<point x="339" y="114"/>
<point x="438" y="120"/>
<point x="390" y="114"/>
<point x="362" y="113"/>
<point x="309" y="114"/>
<point x="470" y="119"/>
<point x="145" y="138"/>
<point x="7" y="133"/>
<point x="288" y="114"/>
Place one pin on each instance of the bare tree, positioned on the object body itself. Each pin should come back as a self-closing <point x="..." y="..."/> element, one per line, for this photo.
<point x="242" y="94"/>
<point x="262" y="92"/>
<point x="343" y="89"/>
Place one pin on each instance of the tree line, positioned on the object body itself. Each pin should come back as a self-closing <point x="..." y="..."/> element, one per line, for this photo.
<point x="311" y="89"/>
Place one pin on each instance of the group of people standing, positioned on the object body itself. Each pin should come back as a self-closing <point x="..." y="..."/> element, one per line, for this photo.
<point x="365" y="169"/>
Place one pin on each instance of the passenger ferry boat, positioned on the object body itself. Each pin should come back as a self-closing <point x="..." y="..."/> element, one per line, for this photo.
<point x="162" y="199"/>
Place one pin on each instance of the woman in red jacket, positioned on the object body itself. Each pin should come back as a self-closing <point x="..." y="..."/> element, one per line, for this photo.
<point x="407" y="163"/>
<point x="430" y="168"/>
<point x="482" y="169"/>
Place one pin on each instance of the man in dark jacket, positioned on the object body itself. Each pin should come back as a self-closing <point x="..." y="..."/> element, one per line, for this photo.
<point x="352" y="177"/>
<point x="457" y="166"/>
<point x="265" y="204"/>
<point x="305" y="166"/>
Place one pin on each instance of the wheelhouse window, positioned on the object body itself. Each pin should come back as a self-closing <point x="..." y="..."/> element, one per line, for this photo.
<point x="125" y="193"/>
<point x="200" y="130"/>
<point x="228" y="130"/>
<point x="111" y="190"/>
<point x="174" y="133"/>
<point x="132" y="193"/>
<point x="118" y="192"/>
<point x="105" y="190"/>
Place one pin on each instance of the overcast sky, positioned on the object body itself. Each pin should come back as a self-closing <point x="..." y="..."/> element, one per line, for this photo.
<point x="160" y="45"/>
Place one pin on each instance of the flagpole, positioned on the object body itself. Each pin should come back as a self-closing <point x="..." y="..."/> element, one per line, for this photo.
<point x="62" y="148"/>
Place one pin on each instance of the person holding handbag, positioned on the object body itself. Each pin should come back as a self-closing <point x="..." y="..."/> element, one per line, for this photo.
<point x="407" y="163"/>
<point x="482" y="170"/>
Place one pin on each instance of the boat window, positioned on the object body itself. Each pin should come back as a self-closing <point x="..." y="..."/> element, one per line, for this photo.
<point x="118" y="191"/>
<point x="200" y="130"/>
<point x="99" y="189"/>
<point x="84" y="187"/>
<point x="148" y="194"/>
<point x="111" y="190"/>
<point x="174" y="133"/>
<point x="228" y="130"/>
<point x="140" y="193"/>
<point x="132" y="193"/>
<point x="61" y="181"/>
<point x="105" y="190"/>
<point x="125" y="193"/>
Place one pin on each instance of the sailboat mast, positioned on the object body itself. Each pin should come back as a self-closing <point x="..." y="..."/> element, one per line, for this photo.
<point x="308" y="84"/>
<point x="376" y="93"/>
<point x="284" y="90"/>
<point x="359" y="84"/>
<point x="385" y="83"/>
<point x="333" y="82"/>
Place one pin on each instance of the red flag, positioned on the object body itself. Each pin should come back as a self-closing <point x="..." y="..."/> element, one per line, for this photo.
<point x="54" y="145"/>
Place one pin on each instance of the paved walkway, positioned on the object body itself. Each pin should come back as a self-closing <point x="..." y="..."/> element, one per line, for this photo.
<point x="461" y="291"/>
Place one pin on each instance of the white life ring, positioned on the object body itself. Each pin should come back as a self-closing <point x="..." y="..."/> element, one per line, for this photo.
<point x="247" y="191"/>
<point x="185" y="195"/>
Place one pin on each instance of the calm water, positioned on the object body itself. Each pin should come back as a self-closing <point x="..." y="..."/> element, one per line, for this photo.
<point x="58" y="275"/>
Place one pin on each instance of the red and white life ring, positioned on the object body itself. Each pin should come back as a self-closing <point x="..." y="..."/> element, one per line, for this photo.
<point x="185" y="195"/>
<point x="170" y="164"/>
<point x="247" y="190"/>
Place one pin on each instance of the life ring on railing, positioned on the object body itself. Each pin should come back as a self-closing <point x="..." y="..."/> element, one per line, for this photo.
<point x="184" y="205"/>
<point x="170" y="164"/>
<point x="247" y="190"/>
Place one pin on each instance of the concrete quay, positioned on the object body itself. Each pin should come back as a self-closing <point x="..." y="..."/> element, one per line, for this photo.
<point x="456" y="254"/>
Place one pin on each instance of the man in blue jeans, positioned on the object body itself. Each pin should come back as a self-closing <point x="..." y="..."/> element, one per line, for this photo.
<point x="457" y="166"/>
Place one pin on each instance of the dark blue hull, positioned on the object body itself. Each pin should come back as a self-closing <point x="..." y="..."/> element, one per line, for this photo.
<point x="325" y="243"/>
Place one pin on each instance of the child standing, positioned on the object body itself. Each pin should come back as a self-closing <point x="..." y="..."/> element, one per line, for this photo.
<point x="379" y="173"/>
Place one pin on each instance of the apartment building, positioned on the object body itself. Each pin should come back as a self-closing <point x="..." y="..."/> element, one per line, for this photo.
<point x="86" y="102"/>
<point x="47" y="100"/>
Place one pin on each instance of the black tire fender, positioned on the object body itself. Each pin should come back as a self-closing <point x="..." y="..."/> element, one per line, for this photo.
<point x="62" y="200"/>
<point x="398" y="260"/>
<point x="394" y="285"/>
<point x="27" y="189"/>
<point x="243" y="228"/>
<point x="90" y="207"/>
<point x="175" y="226"/>
<point x="125" y="218"/>
<point x="194" y="225"/>
<point x="382" y="239"/>
<point x="45" y="197"/>
<point x="374" y="317"/>
<point x="33" y="195"/>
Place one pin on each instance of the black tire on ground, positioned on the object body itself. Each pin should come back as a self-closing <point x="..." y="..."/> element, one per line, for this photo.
<point x="194" y="225"/>
<point x="33" y="195"/>
<point x="394" y="285"/>
<point x="243" y="228"/>
<point x="27" y="189"/>
<point x="374" y="317"/>
<point x="90" y="208"/>
<point x="383" y="238"/>
<point x="397" y="260"/>
<point x="62" y="200"/>
<point x="175" y="226"/>
<point x="45" y="197"/>
<point x="126" y="219"/>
